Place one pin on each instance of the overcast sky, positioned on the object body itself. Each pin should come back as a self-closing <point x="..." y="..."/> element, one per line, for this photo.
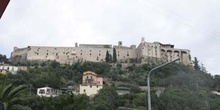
<point x="188" y="24"/>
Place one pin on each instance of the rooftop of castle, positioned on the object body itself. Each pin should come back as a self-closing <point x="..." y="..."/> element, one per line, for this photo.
<point x="96" y="45"/>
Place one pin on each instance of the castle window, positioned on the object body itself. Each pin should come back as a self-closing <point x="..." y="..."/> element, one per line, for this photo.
<point x="99" y="54"/>
<point x="127" y="54"/>
<point x="90" y="50"/>
<point x="97" y="86"/>
<point x="73" y="54"/>
<point x="90" y="86"/>
<point x="80" y="53"/>
<point x="118" y="54"/>
<point x="90" y="54"/>
<point x="84" y="90"/>
<point x="47" y="53"/>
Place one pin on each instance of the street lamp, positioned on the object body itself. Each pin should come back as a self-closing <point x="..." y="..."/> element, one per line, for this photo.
<point x="148" y="81"/>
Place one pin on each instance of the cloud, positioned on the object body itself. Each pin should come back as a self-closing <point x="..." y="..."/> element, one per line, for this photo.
<point x="187" y="24"/>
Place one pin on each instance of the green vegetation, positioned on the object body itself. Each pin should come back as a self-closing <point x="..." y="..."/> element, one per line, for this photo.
<point x="186" y="87"/>
<point x="107" y="57"/>
<point x="114" y="55"/>
<point x="11" y="98"/>
<point x="3" y="58"/>
<point x="196" y="64"/>
<point x="62" y="102"/>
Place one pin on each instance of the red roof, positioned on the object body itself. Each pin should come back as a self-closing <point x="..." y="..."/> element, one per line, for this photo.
<point x="3" y="5"/>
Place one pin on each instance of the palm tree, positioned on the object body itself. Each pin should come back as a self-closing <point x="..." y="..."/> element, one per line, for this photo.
<point x="10" y="98"/>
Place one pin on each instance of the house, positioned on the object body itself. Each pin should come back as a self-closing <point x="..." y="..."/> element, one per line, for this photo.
<point x="4" y="69"/>
<point x="215" y="92"/>
<point x="91" y="83"/>
<point x="47" y="92"/>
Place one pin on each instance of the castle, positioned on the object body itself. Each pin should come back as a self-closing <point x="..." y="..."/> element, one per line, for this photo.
<point x="144" y="53"/>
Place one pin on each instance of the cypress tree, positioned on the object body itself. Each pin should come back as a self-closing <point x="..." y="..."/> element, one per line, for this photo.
<point x="107" y="57"/>
<point x="114" y="55"/>
<point x="196" y="64"/>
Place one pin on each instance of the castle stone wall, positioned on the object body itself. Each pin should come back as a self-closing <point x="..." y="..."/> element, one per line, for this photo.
<point x="125" y="53"/>
<point x="163" y="52"/>
<point x="92" y="54"/>
<point x="97" y="53"/>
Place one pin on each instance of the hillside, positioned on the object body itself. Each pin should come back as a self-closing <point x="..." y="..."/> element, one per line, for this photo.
<point x="186" y="88"/>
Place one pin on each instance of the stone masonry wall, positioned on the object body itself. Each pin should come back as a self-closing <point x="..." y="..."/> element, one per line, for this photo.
<point x="97" y="53"/>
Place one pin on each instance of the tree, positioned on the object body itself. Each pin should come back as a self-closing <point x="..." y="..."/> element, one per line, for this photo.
<point x="61" y="102"/>
<point x="196" y="64"/>
<point x="3" y="58"/>
<point x="203" y="68"/>
<point x="106" y="99"/>
<point x="107" y="57"/>
<point x="10" y="97"/>
<point x="215" y="104"/>
<point x="114" y="55"/>
<point x="216" y="82"/>
<point x="55" y="64"/>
